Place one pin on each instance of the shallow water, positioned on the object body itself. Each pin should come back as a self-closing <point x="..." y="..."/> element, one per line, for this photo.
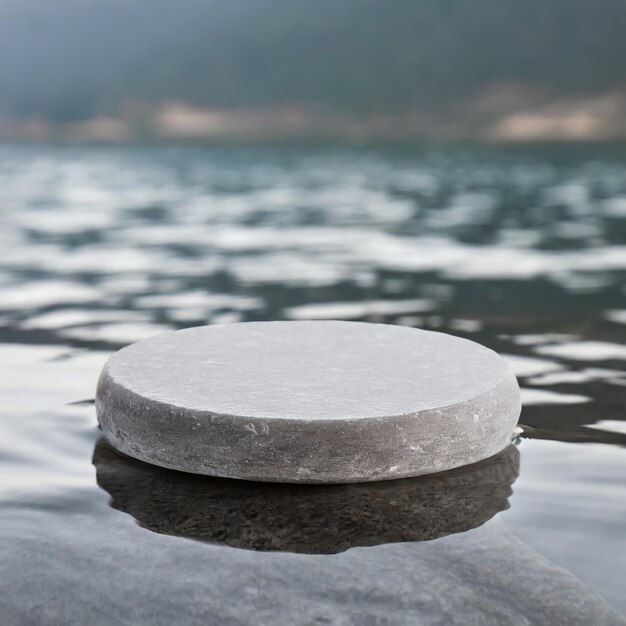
<point x="521" y="250"/>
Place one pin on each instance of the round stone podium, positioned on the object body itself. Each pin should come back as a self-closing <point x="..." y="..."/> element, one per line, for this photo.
<point x="309" y="402"/>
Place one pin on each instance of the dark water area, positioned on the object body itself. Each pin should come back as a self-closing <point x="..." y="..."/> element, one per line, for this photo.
<point x="522" y="250"/>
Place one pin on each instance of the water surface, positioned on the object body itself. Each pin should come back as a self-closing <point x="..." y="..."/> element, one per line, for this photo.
<point x="522" y="250"/>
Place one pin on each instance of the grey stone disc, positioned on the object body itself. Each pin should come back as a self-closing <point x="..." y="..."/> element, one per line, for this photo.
<point x="311" y="402"/>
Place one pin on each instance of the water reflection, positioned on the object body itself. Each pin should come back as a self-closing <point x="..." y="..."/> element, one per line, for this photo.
<point x="306" y="518"/>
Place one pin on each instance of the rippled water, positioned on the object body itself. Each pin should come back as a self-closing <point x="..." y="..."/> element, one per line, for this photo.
<point x="521" y="250"/>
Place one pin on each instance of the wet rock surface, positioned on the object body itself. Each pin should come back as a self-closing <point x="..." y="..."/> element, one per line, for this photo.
<point x="101" y="565"/>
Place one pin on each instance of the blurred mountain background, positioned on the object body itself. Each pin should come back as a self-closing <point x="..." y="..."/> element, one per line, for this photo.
<point x="495" y="70"/>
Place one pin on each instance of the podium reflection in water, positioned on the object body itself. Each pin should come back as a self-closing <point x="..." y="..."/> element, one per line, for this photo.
<point x="314" y="519"/>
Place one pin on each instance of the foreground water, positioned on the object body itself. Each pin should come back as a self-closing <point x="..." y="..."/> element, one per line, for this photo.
<point x="522" y="251"/>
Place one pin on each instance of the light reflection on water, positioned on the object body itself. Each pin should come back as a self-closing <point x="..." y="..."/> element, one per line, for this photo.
<point x="521" y="251"/>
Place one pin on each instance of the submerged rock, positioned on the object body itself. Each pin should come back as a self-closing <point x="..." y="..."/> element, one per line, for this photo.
<point x="98" y="567"/>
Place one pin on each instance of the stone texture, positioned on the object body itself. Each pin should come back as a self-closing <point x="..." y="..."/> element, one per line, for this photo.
<point x="308" y="401"/>
<point x="309" y="519"/>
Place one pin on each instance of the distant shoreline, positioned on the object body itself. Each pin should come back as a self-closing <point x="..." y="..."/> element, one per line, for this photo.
<point x="488" y="120"/>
